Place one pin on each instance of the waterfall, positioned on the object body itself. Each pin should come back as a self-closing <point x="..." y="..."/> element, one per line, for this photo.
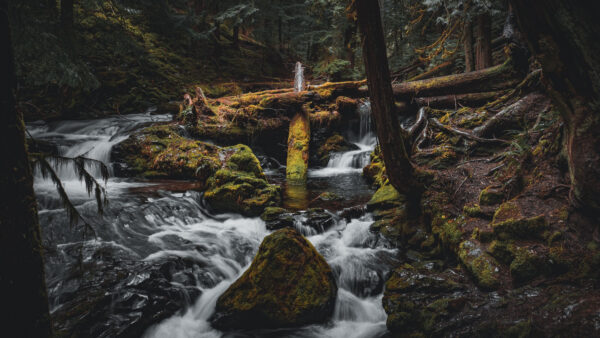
<point x="354" y="160"/>
<point x="299" y="78"/>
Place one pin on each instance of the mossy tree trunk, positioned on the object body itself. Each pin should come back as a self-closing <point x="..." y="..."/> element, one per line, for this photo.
<point x="22" y="281"/>
<point x="297" y="156"/>
<point x="391" y="139"/>
<point x="483" y="47"/>
<point x="563" y="36"/>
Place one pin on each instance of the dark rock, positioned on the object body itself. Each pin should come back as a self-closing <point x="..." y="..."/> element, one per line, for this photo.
<point x="353" y="212"/>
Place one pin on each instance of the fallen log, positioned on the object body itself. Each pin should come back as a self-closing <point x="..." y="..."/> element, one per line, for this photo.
<point x="465" y="134"/>
<point x="454" y="101"/>
<point x="490" y="79"/>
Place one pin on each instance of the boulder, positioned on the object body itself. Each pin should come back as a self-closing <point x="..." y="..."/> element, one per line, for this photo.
<point x="333" y="144"/>
<point x="288" y="284"/>
<point x="240" y="185"/>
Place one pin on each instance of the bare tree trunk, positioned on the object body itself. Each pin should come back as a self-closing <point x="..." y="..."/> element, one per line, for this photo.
<point x="22" y="281"/>
<point x="391" y="139"/>
<point x="483" y="47"/>
<point x="563" y="36"/>
<point x="468" y="47"/>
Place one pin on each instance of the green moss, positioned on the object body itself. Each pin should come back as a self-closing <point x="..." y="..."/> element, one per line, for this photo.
<point x="385" y="197"/>
<point x="449" y="230"/>
<point x="490" y="196"/>
<point x="473" y="210"/>
<point x="527" y="265"/>
<point x="506" y="211"/>
<point x="482" y="266"/>
<point x="288" y="284"/>
<point x="502" y="251"/>
<point x="521" y="228"/>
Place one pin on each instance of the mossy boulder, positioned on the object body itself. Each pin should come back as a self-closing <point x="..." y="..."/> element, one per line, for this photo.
<point x="491" y="196"/>
<point x="521" y="228"/>
<point x="160" y="151"/>
<point x="345" y="105"/>
<point x="385" y="197"/>
<point x="527" y="265"/>
<point x="482" y="266"/>
<point x="288" y="284"/>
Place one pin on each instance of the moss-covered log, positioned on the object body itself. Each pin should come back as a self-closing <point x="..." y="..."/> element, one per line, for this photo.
<point x="490" y="79"/>
<point x="454" y="101"/>
<point x="298" y="141"/>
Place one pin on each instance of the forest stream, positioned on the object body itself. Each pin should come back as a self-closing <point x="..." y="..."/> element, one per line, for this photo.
<point x="158" y="221"/>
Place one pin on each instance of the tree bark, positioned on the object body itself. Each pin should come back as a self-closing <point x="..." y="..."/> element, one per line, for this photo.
<point x="391" y="139"/>
<point x="66" y="17"/>
<point x="468" y="47"/>
<point x="22" y="281"/>
<point x="236" y="36"/>
<point x="483" y="48"/>
<point x="563" y="36"/>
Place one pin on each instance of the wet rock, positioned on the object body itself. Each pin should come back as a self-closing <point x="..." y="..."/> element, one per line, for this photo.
<point x="288" y="284"/>
<point x="346" y="106"/>
<point x="353" y="212"/>
<point x="277" y="218"/>
<point x="319" y="219"/>
<point x="122" y="298"/>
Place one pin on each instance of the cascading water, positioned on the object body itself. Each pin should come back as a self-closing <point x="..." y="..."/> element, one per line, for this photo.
<point x="298" y="78"/>
<point x="354" y="160"/>
<point x="149" y="228"/>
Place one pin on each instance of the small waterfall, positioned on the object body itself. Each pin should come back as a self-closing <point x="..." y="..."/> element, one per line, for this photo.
<point x="93" y="139"/>
<point x="354" y="160"/>
<point x="299" y="78"/>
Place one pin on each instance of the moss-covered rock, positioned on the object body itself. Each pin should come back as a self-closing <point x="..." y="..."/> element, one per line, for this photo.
<point x="277" y="218"/>
<point x="527" y="265"/>
<point x="482" y="266"/>
<point x="159" y="151"/>
<point x="288" y="284"/>
<point x="385" y="197"/>
<point x="521" y="228"/>
<point x="345" y="105"/>
<point x="491" y="196"/>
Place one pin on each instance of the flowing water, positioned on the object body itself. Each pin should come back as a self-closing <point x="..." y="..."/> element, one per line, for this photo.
<point x="352" y="161"/>
<point x="298" y="78"/>
<point x="158" y="221"/>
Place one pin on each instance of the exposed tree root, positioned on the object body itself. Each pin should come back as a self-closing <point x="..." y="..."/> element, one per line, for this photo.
<point x="465" y="134"/>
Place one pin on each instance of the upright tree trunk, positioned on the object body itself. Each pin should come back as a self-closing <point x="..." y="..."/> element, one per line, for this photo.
<point x="236" y="36"/>
<point x="22" y="281"/>
<point x="468" y="47"/>
<point x="563" y="36"/>
<point x="66" y="17"/>
<point x="395" y="156"/>
<point x="349" y="45"/>
<point x="483" y="47"/>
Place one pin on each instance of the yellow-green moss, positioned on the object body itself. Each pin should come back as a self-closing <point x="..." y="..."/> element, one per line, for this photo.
<point x="385" y="197"/>
<point x="521" y="228"/>
<point x="298" y="142"/>
<point x="288" y="284"/>
<point x="490" y="196"/>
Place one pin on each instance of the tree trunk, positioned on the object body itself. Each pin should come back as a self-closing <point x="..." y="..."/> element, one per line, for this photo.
<point x="236" y="36"/>
<point x="468" y="46"/>
<point x="563" y="36"/>
<point x="483" y="48"/>
<point x="22" y="281"/>
<point x="66" y="17"/>
<point x="391" y="139"/>
<point x="349" y="45"/>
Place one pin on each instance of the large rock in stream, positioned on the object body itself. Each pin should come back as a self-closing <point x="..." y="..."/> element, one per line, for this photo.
<point x="288" y="284"/>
